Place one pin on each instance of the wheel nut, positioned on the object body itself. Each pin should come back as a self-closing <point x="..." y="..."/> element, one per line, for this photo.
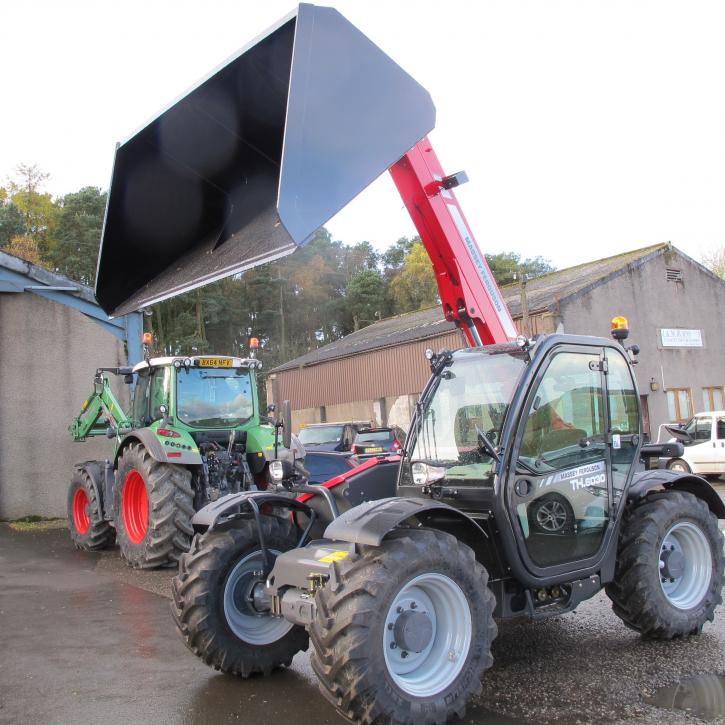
<point x="413" y="605"/>
<point x="390" y="625"/>
<point x="403" y="654"/>
<point x="399" y="610"/>
<point x="393" y="645"/>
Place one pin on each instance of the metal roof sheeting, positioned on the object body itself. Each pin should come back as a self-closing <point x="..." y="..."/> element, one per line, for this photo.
<point x="543" y="293"/>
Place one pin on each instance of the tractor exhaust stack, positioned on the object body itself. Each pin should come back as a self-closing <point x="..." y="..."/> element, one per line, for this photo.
<point x="256" y="157"/>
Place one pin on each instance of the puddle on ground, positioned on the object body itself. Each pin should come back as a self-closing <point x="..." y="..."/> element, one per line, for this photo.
<point x="702" y="697"/>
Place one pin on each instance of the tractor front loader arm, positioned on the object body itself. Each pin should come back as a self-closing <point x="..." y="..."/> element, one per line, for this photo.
<point x="100" y="411"/>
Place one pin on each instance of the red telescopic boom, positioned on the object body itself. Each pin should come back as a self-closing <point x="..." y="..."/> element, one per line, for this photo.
<point x="469" y="294"/>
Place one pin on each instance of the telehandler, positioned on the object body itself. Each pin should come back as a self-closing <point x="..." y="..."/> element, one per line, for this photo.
<point x="523" y="488"/>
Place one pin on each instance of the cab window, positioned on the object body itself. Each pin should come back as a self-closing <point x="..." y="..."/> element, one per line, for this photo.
<point x="565" y="415"/>
<point x="159" y="391"/>
<point x="141" y="398"/>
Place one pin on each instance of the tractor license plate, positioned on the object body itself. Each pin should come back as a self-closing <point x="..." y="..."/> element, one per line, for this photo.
<point x="214" y="362"/>
<point x="377" y="449"/>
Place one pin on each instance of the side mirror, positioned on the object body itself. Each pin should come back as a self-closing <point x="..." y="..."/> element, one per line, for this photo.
<point x="678" y="432"/>
<point x="164" y="410"/>
<point x="287" y="423"/>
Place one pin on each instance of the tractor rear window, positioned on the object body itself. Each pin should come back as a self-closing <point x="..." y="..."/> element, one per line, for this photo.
<point x="208" y="398"/>
<point x="374" y="436"/>
<point x="320" y="434"/>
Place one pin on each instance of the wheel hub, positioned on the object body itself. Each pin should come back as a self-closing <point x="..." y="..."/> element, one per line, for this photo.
<point x="246" y="610"/>
<point x="413" y="631"/>
<point x="427" y="634"/>
<point x="685" y="565"/>
<point x="81" y="518"/>
<point x="674" y="564"/>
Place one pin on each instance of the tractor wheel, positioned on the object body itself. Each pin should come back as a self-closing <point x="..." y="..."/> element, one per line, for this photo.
<point x="404" y="633"/>
<point x="154" y="503"/>
<point x="669" y="573"/>
<point x="551" y="514"/>
<point x="677" y="464"/>
<point x="212" y="600"/>
<point x="85" y="519"/>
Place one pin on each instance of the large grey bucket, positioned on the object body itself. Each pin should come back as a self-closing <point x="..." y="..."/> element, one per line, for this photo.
<point x="257" y="156"/>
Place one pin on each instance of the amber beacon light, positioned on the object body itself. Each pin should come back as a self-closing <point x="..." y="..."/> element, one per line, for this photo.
<point x="620" y="328"/>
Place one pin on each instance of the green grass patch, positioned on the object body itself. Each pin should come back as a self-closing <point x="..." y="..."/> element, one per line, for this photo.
<point x="37" y="523"/>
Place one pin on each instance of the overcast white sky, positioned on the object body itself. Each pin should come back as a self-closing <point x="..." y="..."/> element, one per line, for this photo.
<point x="586" y="128"/>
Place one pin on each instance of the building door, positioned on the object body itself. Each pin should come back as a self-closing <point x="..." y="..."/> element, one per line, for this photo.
<point x="644" y="407"/>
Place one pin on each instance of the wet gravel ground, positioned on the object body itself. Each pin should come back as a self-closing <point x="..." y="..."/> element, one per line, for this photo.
<point x="86" y="639"/>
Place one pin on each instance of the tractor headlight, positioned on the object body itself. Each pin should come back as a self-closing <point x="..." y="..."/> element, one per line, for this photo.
<point x="276" y="470"/>
<point x="423" y="474"/>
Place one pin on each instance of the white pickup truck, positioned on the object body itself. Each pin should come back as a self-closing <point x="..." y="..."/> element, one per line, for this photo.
<point x="704" y="440"/>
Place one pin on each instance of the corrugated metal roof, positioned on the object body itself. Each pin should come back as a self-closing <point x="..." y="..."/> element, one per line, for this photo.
<point x="544" y="292"/>
<point x="45" y="277"/>
<point x="393" y="331"/>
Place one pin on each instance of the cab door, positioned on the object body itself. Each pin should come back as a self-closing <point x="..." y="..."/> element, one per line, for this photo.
<point x="559" y="494"/>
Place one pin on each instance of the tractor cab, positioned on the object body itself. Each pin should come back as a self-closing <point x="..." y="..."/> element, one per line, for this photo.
<point x="196" y="392"/>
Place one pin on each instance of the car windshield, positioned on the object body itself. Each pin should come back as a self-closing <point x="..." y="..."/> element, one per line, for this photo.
<point x="471" y="397"/>
<point x="374" y="436"/>
<point x="207" y="397"/>
<point x="320" y="434"/>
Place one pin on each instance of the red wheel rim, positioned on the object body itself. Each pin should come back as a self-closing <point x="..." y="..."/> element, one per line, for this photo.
<point x="81" y="520"/>
<point x="135" y="507"/>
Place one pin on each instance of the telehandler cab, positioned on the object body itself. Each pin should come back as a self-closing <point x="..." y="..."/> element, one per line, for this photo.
<point x="520" y="491"/>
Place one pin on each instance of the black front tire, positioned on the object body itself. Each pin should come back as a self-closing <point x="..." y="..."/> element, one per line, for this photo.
<point x="637" y="594"/>
<point x="199" y="600"/>
<point x="88" y="530"/>
<point x="349" y="632"/>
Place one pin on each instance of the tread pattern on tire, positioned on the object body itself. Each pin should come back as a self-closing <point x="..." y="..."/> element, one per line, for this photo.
<point x="100" y="534"/>
<point x="347" y="612"/>
<point x="171" y="507"/>
<point x="197" y="605"/>
<point x="637" y="597"/>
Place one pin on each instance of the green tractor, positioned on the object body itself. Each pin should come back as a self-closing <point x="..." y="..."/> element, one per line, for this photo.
<point x="194" y="434"/>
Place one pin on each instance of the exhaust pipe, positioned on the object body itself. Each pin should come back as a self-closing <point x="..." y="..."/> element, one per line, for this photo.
<point x="250" y="162"/>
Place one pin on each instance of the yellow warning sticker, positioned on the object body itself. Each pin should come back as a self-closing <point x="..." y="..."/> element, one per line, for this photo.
<point x="335" y="556"/>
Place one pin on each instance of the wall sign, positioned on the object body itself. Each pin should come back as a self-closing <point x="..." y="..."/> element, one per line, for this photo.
<point x="675" y="337"/>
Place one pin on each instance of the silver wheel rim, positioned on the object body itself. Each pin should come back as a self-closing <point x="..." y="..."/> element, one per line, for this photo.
<point x="688" y="541"/>
<point x="551" y="516"/>
<point x="250" y="627"/>
<point x="440" y="661"/>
